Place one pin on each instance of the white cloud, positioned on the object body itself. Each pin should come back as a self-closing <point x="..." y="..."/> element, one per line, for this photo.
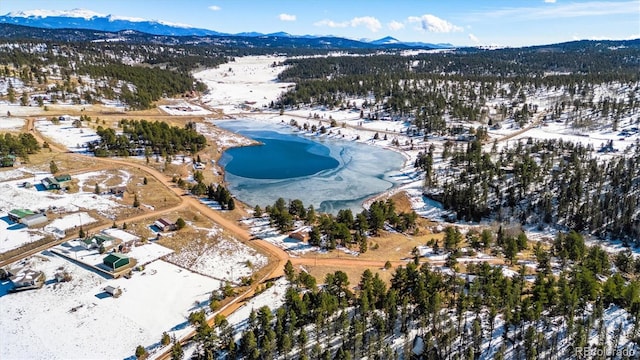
<point x="550" y="1"/>
<point x="331" y="23"/>
<point x="395" y="25"/>
<point x="432" y="23"/>
<point x="570" y="10"/>
<point x="369" y="22"/>
<point x="215" y="8"/>
<point x="287" y="17"/>
<point x="474" y="39"/>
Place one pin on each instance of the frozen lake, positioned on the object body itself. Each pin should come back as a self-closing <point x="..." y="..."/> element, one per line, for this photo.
<point x="329" y="174"/>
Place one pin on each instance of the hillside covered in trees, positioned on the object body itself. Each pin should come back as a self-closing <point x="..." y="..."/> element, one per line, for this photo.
<point x="453" y="100"/>
<point x="483" y="314"/>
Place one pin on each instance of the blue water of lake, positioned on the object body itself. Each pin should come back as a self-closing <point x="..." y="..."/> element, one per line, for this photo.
<point x="330" y="174"/>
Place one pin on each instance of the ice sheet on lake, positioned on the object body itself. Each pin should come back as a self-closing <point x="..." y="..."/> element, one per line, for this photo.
<point x="363" y="172"/>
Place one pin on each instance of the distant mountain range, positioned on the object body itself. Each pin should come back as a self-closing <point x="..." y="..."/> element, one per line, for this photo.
<point x="89" y="20"/>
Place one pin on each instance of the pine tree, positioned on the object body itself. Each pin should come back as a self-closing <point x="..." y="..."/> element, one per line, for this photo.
<point x="136" y="201"/>
<point x="53" y="167"/>
<point x="165" y="340"/>
<point x="141" y="352"/>
<point x="257" y="211"/>
<point x="289" y="271"/>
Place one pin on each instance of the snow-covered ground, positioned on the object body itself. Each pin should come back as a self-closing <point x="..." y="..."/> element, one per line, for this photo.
<point x="272" y="298"/>
<point x="11" y="123"/>
<point x="227" y="260"/>
<point x="260" y="227"/>
<point x="183" y="108"/>
<point x="58" y="226"/>
<point x="554" y="130"/>
<point x="248" y="80"/>
<point x="423" y="205"/>
<point x="64" y="133"/>
<point x="15" y="173"/>
<point x="17" y="110"/>
<point x="223" y="138"/>
<point x="11" y="82"/>
<point x="96" y="325"/>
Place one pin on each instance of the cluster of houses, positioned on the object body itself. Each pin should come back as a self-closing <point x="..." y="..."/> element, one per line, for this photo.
<point x="114" y="243"/>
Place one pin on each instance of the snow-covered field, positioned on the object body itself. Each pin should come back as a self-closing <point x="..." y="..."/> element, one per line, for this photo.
<point x="248" y="80"/>
<point x="554" y="130"/>
<point x="96" y="325"/>
<point x="58" y="226"/>
<point x="17" y="110"/>
<point x="64" y="133"/>
<point x="11" y="123"/>
<point x="183" y="109"/>
<point x="227" y="260"/>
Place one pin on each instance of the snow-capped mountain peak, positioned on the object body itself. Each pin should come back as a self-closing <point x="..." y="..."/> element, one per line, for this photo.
<point x="385" y="41"/>
<point x="75" y="13"/>
<point x="88" y="19"/>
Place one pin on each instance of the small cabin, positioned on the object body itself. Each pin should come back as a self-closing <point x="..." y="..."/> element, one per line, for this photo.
<point x="113" y="291"/>
<point x="50" y="183"/>
<point x="165" y="225"/>
<point x="300" y="235"/>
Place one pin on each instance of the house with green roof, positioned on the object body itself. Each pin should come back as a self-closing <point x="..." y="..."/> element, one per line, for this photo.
<point x="50" y="183"/>
<point x="116" y="261"/>
<point x="62" y="178"/>
<point x="16" y="215"/>
<point x="55" y="182"/>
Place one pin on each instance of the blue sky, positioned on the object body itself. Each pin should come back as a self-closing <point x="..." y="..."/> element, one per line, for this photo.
<point x="460" y="22"/>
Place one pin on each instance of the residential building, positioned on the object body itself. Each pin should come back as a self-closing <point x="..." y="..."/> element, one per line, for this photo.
<point x="96" y="240"/>
<point x="35" y="219"/>
<point x="16" y="215"/>
<point x="50" y="183"/>
<point x="27" y="279"/>
<point x="116" y="261"/>
<point x="165" y="225"/>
